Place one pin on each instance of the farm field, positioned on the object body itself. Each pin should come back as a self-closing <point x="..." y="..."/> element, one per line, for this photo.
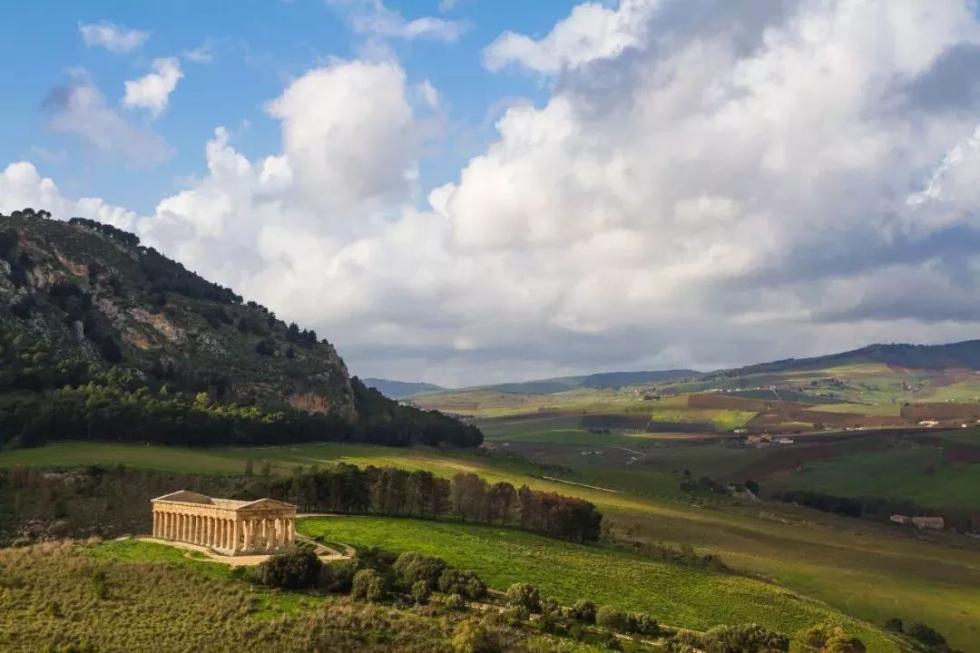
<point x="919" y="474"/>
<point x="678" y="595"/>
<point x="867" y="570"/>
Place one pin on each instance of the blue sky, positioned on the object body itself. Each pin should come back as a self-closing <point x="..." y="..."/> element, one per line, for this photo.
<point x="256" y="48"/>
<point x="488" y="190"/>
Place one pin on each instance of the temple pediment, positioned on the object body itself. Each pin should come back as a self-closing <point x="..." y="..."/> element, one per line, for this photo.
<point x="265" y="504"/>
<point x="186" y="496"/>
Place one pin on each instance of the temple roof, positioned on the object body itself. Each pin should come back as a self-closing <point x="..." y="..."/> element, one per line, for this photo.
<point x="187" y="496"/>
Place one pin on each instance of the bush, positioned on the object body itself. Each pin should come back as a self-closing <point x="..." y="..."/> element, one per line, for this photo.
<point x="368" y="585"/>
<point x="297" y="569"/>
<point x="824" y="638"/>
<point x="612" y="618"/>
<point x="747" y="637"/>
<point x="412" y="567"/>
<point x="843" y="643"/>
<point x="926" y="634"/>
<point x="473" y="636"/>
<point x="895" y="625"/>
<point x="467" y="583"/>
<point x="337" y="576"/>
<point x="455" y="602"/>
<point x="642" y="624"/>
<point x="584" y="611"/>
<point x="420" y="592"/>
<point x="524" y="595"/>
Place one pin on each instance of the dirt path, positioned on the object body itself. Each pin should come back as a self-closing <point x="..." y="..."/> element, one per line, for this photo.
<point x="325" y="553"/>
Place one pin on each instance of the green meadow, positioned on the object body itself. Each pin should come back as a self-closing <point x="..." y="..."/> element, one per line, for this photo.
<point x="676" y="594"/>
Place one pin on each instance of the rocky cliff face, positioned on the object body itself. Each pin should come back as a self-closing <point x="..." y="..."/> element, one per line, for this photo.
<point x="90" y="291"/>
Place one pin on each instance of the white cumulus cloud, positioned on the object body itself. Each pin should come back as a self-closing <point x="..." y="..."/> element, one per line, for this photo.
<point x="715" y="183"/>
<point x="112" y="37"/>
<point x="152" y="91"/>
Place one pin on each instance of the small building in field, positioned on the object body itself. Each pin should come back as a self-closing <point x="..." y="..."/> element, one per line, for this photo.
<point x="227" y="526"/>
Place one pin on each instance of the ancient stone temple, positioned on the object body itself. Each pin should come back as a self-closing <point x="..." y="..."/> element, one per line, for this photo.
<point x="227" y="526"/>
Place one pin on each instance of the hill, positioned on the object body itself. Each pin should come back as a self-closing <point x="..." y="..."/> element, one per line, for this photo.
<point x="599" y="380"/>
<point x="957" y="355"/>
<point x="102" y="337"/>
<point x="400" y="389"/>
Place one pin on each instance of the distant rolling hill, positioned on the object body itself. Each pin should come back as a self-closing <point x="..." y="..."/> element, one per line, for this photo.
<point x="957" y="355"/>
<point x="401" y="389"/>
<point x="597" y="381"/>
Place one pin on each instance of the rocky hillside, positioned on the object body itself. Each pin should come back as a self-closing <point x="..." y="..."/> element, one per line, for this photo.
<point x="79" y="299"/>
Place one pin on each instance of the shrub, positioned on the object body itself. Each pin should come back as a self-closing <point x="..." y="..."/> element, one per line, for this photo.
<point x="524" y="595"/>
<point x="642" y="624"/>
<point x="412" y="567"/>
<point x="297" y="569"/>
<point x="473" y="636"/>
<point x="420" y="592"/>
<point x="612" y="618"/>
<point x="455" y="602"/>
<point x="894" y="625"/>
<point x="368" y="585"/>
<point x="747" y="637"/>
<point x="926" y="634"/>
<point x="824" y="638"/>
<point x="337" y="576"/>
<point x="584" y="611"/>
<point x="551" y="606"/>
<point x="843" y="643"/>
<point x="467" y="583"/>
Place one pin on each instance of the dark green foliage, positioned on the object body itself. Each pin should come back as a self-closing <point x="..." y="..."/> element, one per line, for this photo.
<point x="108" y="230"/>
<point x="265" y="347"/>
<point x="411" y="568"/>
<point x="420" y="592"/>
<point x="474" y="636"/>
<point x="455" y="602"/>
<point x="747" y="638"/>
<point x="584" y="611"/>
<point x="296" y="569"/>
<point x="337" y="576"/>
<point x="466" y="583"/>
<point x="166" y="275"/>
<point x="894" y="624"/>
<point x="612" y="618"/>
<point x="524" y="595"/>
<point x="368" y="585"/>
<point x="927" y="635"/>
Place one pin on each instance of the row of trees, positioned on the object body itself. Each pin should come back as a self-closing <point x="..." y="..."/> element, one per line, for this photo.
<point x="879" y="508"/>
<point x="397" y="492"/>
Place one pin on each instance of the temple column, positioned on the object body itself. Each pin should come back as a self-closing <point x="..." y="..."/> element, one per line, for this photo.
<point x="168" y="519"/>
<point x="210" y="531"/>
<point x="290" y="530"/>
<point x="156" y="524"/>
<point x="224" y="533"/>
<point x="185" y="527"/>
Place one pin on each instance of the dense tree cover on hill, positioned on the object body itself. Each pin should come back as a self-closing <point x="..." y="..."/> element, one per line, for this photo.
<point x="879" y="508"/>
<point x="104" y="340"/>
<point x="44" y="396"/>
<point x="391" y="491"/>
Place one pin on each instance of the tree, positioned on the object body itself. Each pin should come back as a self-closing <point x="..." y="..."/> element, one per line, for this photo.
<point x="368" y="585"/>
<point x="421" y="592"/>
<point x="298" y="569"/>
<point x="524" y="595"/>
<point x="412" y="567"/>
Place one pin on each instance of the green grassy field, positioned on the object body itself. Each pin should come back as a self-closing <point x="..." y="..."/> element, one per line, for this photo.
<point x="683" y="596"/>
<point x="918" y="474"/>
<point x="867" y="570"/>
